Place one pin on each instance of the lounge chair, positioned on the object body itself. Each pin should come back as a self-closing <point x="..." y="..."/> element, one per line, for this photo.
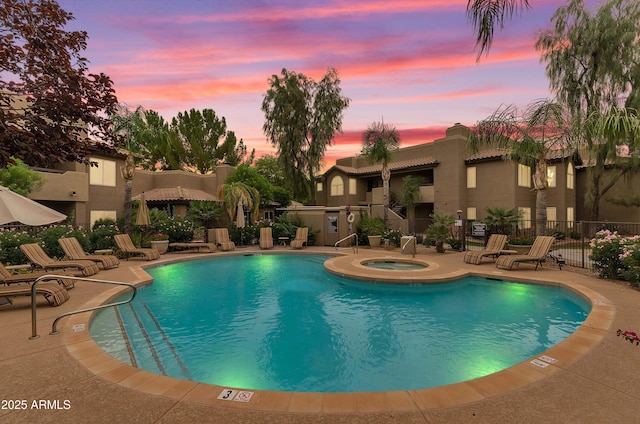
<point x="199" y="247"/>
<point x="266" y="238"/>
<point x="223" y="240"/>
<point x="39" y="257"/>
<point x="124" y="243"/>
<point x="495" y="245"/>
<point x="538" y="253"/>
<point x="74" y="250"/>
<point x="55" y="294"/>
<point x="8" y="278"/>
<point x="302" y="233"/>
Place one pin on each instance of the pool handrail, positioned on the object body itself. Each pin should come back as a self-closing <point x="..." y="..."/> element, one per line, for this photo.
<point x="406" y="243"/>
<point x="34" y="325"/>
<point x="355" y="248"/>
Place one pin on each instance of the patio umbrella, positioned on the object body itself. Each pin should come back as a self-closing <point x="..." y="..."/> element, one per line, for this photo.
<point x="143" y="217"/>
<point x="240" y="223"/>
<point x="16" y="208"/>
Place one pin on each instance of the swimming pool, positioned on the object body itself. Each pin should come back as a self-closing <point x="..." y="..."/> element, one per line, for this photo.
<point x="309" y="331"/>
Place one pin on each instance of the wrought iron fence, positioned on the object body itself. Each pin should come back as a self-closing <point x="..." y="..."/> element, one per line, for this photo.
<point x="572" y="238"/>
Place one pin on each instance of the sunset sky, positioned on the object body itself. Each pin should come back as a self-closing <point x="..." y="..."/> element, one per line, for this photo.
<point x="409" y="62"/>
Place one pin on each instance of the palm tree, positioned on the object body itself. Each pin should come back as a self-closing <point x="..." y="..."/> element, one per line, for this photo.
<point x="543" y="127"/>
<point x="126" y="125"/>
<point x="486" y="15"/>
<point x="236" y="192"/>
<point x="379" y="142"/>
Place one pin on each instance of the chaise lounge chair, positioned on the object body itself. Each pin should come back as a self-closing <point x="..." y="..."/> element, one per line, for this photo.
<point x="39" y="257"/>
<point x="199" y="247"/>
<point x="223" y="240"/>
<point x="74" y="250"/>
<point x="538" y="253"/>
<point x="495" y="244"/>
<point x="266" y="238"/>
<point x="54" y="293"/>
<point x="124" y="243"/>
<point x="29" y="277"/>
<point x="302" y="233"/>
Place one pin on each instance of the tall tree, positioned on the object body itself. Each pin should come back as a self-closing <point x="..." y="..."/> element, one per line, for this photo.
<point x="301" y="119"/>
<point x="199" y="133"/>
<point x="593" y="64"/>
<point x="379" y="142"/>
<point x="527" y="138"/>
<point x="127" y="127"/>
<point x="234" y="152"/>
<point x="486" y="15"/>
<point x="19" y="178"/>
<point x="51" y="106"/>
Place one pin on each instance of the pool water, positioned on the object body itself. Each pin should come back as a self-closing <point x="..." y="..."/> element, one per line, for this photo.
<point x="281" y="322"/>
<point x="394" y="265"/>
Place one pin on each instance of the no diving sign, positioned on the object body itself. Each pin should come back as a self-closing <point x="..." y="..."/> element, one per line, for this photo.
<point x="235" y="395"/>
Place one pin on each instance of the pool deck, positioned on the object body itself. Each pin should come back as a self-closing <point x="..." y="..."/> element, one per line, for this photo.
<point x="595" y="377"/>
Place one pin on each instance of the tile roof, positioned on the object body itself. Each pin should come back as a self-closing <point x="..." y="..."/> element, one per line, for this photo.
<point x="175" y="193"/>
<point x="393" y="166"/>
<point x="499" y="153"/>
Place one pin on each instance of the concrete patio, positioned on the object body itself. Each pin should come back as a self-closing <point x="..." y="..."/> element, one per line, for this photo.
<point x="596" y="378"/>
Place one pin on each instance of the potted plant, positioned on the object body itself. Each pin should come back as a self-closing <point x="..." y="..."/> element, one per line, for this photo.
<point x="372" y="229"/>
<point x="159" y="241"/>
<point x="440" y="229"/>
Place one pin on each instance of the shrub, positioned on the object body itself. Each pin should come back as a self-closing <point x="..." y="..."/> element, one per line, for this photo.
<point x="49" y="239"/>
<point x="394" y="237"/>
<point x="10" y="241"/>
<point x="616" y="257"/>
<point x="179" y="230"/>
<point x="101" y="235"/>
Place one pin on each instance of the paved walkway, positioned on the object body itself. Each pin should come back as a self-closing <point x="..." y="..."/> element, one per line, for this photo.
<point x="61" y="378"/>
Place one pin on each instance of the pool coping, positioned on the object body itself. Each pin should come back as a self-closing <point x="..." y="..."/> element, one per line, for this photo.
<point x="85" y="350"/>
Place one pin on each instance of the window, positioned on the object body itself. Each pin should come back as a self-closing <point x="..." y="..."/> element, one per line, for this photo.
<point x="268" y="215"/>
<point x="319" y="187"/>
<point x="104" y="174"/>
<point x="337" y="186"/>
<point x="570" y="176"/>
<point x="552" y="214"/>
<point x="525" y="218"/>
<point x="471" y="177"/>
<point x="96" y="215"/>
<point x="353" y="187"/>
<point x="551" y="176"/>
<point x="524" y="175"/>
<point x="570" y="217"/>
<point x="471" y="214"/>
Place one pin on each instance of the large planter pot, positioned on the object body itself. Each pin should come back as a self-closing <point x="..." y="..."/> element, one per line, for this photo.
<point x="160" y="245"/>
<point x="521" y="249"/>
<point x="374" y="241"/>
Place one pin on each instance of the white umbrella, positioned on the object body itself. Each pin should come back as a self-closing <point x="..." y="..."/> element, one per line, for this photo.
<point x="16" y="208"/>
<point x="240" y="218"/>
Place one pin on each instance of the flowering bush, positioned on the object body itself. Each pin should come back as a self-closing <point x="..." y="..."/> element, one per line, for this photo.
<point x="101" y="235"/>
<point x="616" y="257"/>
<point x="178" y="229"/>
<point x="10" y="240"/>
<point x="50" y="235"/>
<point x="158" y="237"/>
<point x="521" y="240"/>
<point x="630" y="336"/>
<point x="393" y="236"/>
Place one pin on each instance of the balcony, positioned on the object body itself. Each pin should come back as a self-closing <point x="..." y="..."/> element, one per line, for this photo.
<point x="65" y="186"/>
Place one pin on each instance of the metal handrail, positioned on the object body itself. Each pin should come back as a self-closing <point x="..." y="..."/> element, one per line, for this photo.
<point x="413" y="255"/>
<point x="355" y="248"/>
<point x="34" y="325"/>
